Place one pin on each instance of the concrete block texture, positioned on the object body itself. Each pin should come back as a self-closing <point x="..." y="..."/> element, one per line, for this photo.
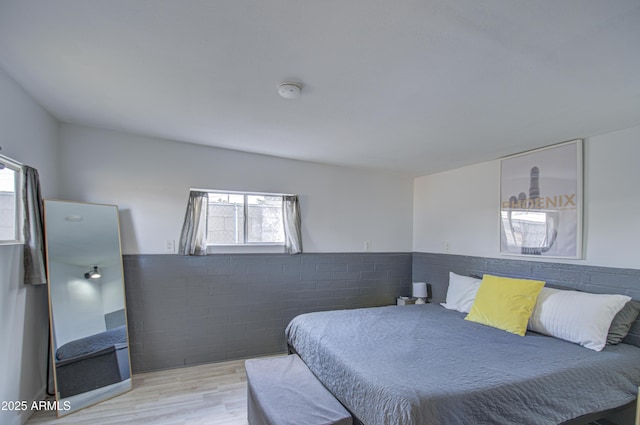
<point x="186" y="310"/>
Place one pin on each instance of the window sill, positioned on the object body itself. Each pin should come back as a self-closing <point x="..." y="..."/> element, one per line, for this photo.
<point x="245" y="249"/>
<point x="11" y="243"/>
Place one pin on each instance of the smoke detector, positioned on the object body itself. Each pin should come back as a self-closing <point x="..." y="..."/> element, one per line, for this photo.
<point x="290" y="90"/>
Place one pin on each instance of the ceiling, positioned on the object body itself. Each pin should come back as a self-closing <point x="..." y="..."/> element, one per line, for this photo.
<point x="414" y="87"/>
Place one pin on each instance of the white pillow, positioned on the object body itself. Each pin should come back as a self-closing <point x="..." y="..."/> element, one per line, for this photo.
<point x="461" y="292"/>
<point x="578" y="317"/>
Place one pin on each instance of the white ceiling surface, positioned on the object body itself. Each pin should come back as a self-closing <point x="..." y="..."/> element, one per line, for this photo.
<point x="412" y="86"/>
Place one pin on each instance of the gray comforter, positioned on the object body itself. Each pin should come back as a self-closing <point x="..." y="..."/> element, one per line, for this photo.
<point x="425" y="365"/>
<point x="92" y="344"/>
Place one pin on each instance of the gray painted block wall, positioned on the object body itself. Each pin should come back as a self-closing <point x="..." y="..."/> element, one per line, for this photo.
<point x="435" y="268"/>
<point x="190" y="310"/>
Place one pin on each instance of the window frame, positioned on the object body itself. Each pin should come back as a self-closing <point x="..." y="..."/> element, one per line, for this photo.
<point x="19" y="206"/>
<point x="246" y="246"/>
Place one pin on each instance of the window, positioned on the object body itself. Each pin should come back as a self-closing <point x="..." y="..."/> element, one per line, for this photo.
<point x="533" y="232"/>
<point x="236" y="218"/>
<point x="10" y="201"/>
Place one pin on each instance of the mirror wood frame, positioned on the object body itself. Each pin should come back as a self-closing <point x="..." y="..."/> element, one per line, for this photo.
<point x="119" y="362"/>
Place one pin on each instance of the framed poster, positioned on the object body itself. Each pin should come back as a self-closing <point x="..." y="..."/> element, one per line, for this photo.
<point x="541" y="202"/>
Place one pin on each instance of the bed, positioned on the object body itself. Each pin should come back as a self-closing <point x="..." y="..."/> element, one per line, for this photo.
<point x="424" y="364"/>
<point x="92" y="362"/>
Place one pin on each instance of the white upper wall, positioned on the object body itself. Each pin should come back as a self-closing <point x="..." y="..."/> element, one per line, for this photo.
<point x="29" y="135"/>
<point x="149" y="179"/>
<point x="457" y="211"/>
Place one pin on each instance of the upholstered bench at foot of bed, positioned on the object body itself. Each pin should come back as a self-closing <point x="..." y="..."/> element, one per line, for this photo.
<point x="283" y="391"/>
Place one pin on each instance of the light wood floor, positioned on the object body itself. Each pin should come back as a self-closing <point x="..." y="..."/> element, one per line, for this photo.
<point x="213" y="394"/>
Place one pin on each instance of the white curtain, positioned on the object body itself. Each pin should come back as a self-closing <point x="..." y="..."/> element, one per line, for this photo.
<point x="35" y="272"/>
<point x="193" y="239"/>
<point x="292" y="224"/>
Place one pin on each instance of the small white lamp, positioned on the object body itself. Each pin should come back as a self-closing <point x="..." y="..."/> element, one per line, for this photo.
<point x="420" y="292"/>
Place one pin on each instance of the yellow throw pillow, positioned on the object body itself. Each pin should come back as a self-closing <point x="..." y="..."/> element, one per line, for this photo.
<point x="505" y="303"/>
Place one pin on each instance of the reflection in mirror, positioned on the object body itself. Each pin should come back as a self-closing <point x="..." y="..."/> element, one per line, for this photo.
<point x="533" y="232"/>
<point x="90" y="347"/>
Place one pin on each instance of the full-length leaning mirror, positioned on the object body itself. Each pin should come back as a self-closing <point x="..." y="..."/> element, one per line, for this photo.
<point x="89" y="339"/>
